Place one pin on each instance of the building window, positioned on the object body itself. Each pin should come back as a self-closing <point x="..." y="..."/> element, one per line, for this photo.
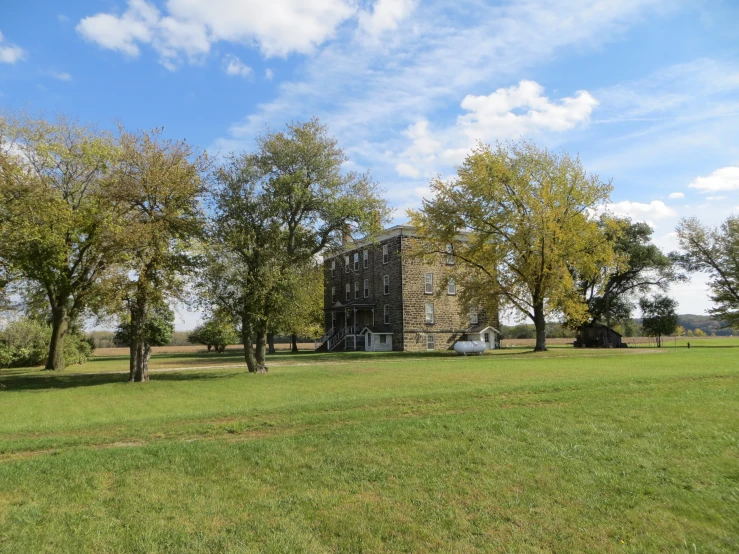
<point x="356" y="290"/>
<point x="429" y="312"/>
<point x="346" y="264"/>
<point x="385" y="254"/>
<point x="366" y="288"/>
<point x="333" y="268"/>
<point x="451" y="287"/>
<point x="333" y="294"/>
<point x="386" y="284"/>
<point x="428" y="281"/>
<point x="356" y="261"/>
<point x="365" y="257"/>
<point x="383" y="339"/>
<point x="369" y="340"/>
<point x="430" y="341"/>
<point x="348" y="291"/>
<point x="333" y="320"/>
<point x="386" y="314"/>
<point x="486" y="337"/>
<point x="449" y="255"/>
<point x="473" y="316"/>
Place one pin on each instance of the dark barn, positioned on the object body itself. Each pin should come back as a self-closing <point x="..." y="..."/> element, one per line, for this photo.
<point x="596" y="335"/>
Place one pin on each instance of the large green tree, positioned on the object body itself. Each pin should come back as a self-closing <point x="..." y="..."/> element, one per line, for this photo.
<point x="159" y="184"/>
<point x="714" y="251"/>
<point x="638" y="267"/>
<point x="58" y="227"/>
<point x="659" y="317"/>
<point x="273" y="211"/>
<point x="525" y="214"/>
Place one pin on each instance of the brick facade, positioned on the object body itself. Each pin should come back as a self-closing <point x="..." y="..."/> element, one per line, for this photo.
<point x="407" y="297"/>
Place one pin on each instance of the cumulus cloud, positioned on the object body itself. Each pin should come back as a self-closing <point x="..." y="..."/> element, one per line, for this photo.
<point x="724" y="179"/>
<point x="407" y="170"/>
<point x="521" y="109"/>
<point x="10" y="53"/>
<point x="511" y="112"/>
<point x="232" y="65"/>
<point x="62" y="76"/>
<point x="676" y="195"/>
<point x="638" y="211"/>
<point x="385" y="15"/>
<point x="189" y="27"/>
<point x="269" y="74"/>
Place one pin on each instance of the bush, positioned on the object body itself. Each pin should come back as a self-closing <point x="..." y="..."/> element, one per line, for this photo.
<point x="25" y="343"/>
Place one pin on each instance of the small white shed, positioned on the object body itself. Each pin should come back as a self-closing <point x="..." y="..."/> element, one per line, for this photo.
<point x="378" y="338"/>
<point x="484" y="333"/>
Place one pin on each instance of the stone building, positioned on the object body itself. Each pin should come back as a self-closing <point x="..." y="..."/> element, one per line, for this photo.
<point x="378" y="298"/>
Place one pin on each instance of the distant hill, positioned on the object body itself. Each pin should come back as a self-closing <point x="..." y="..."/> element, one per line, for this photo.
<point x="689" y="322"/>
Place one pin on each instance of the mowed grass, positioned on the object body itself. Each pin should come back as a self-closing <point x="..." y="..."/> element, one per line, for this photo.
<point x="632" y="450"/>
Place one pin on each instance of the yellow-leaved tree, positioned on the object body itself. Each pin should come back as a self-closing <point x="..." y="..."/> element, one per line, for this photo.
<point x="518" y="220"/>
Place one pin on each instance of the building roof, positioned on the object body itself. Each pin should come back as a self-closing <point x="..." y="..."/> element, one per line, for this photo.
<point x="377" y="329"/>
<point x="338" y="305"/>
<point x="600" y="326"/>
<point x="481" y="328"/>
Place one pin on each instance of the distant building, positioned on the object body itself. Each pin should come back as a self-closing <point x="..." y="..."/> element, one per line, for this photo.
<point x="595" y="335"/>
<point x="378" y="299"/>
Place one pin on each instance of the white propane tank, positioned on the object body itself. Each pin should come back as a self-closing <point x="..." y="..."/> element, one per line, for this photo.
<point x="465" y="347"/>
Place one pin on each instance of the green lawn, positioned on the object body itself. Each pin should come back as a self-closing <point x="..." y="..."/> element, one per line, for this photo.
<point x="633" y="450"/>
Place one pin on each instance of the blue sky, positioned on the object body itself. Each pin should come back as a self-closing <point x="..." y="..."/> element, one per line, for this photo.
<point x="646" y="91"/>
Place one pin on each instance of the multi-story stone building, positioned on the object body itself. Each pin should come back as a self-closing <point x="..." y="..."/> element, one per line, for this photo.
<point x="377" y="297"/>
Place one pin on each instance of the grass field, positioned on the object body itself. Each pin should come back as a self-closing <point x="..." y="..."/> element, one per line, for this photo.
<point x="633" y="450"/>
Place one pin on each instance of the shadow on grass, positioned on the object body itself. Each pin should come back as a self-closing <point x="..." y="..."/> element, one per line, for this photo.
<point x="51" y="381"/>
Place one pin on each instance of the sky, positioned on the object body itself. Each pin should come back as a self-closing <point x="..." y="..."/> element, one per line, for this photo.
<point x="646" y="92"/>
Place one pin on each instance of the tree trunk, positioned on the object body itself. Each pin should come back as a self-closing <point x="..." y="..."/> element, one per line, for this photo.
<point x="541" y="328"/>
<point x="270" y="343"/>
<point x="59" y="326"/>
<point x="294" y="341"/>
<point x="659" y="341"/>
<point x="261" y="348"/>
<point x="250" y="356"/>
<point x="140" y="363"/>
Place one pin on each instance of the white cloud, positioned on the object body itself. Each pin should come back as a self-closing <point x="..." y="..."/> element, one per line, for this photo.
<point x="511" y="112"/>
<point x="189" y="27"/>
<point x="639" y="211"/>
<point x="407" y="170"/>
<point x="385" y="15"/>
<point x="726" y="178"/>
<point x="9" y="53"/>
<point x="521" y="109"/>
<point x="269" y="74"/>
<point x="62" y="76"/>
<point x="676" y="195"/>
<point x="122" y="33"/>
<point x="712" y="198"/>
<point x="232" y="65"/>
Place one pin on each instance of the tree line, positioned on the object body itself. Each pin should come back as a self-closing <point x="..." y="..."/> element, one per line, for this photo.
<point x="97" y="224"/>
<point x="102" y="224"/>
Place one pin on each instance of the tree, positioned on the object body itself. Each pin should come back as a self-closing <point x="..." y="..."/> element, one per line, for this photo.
<point x="217" y="332"/>
<point x="526" y="211"/>
<point x="58" y="227"/>
<point x="714" y="251"/>
<point x="659" y="317"/>
<point x="700" y="333"/>
<point x="273" y="211"/>
<point x="640" y="266"/>
<point x="680" y="331"/>
<point x="300" y="313"/>
<point x="159" y="184"/>
<point x="157" y="330"/>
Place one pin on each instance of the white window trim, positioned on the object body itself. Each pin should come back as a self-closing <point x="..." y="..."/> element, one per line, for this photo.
<point x="474" y="317"/>
<point x="426" y="313"/>
<point x="356" y="261"/>
<point x="366" y="288"/>
<point x="386" y="284"/>
<point x="348" y="292"/>
<point x="430" y="338"/>
<point x="333" y="294"/>
<point x="449" y="255"/>
<point x="333" y="268"/>
<point x="365" y="258"/>
<point x="386" y="314"/>
<point x="428" y="284"/>
<point x="356" y="290"/>
<point x="385" y="254"/>
<point x="451" y="287"/>
<point x="346" y="264"/>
